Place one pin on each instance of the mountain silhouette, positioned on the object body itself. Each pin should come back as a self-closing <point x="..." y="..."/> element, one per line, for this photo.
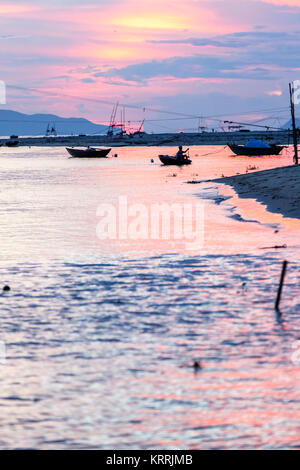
<point x="13" y="122"/>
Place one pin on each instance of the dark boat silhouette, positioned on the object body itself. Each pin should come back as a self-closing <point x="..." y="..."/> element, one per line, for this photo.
<point x="12" y="143"/>
<point x="89" y="152"/>
<point x="168" y="160"/>
<point x="256" y="148"/>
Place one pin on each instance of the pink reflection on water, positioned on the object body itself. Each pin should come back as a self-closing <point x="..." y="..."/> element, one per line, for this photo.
<point x="51" y="201"/>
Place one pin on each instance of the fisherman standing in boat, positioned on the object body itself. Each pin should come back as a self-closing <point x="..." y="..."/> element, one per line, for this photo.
<point x="180" y="155"/>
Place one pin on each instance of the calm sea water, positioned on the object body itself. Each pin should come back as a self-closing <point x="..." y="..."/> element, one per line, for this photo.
<point x="100" y="335"/>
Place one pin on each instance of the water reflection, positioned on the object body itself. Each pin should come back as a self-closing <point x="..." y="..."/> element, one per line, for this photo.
<point x="49" y="203"/>
<point x="100" y="343"/>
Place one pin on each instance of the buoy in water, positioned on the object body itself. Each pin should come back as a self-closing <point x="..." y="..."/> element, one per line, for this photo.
<point x="6" y="288"/>
<point x="197" y="365"/>
<point x="152" y="161"/>
<point x="116" y="155"/>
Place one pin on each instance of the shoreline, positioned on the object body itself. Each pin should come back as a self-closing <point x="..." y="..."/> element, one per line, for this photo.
<point x="171" y="139"/>
<point x="277" y="189"/>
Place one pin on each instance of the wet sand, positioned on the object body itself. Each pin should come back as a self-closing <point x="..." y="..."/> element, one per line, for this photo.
<point x="277" y="188"/>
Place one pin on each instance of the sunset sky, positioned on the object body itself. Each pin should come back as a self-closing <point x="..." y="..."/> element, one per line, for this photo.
<point x="194" y="57"/>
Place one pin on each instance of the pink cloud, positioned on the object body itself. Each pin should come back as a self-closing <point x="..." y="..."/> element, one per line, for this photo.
<point x="12" y="9"/>
<point x="65" y="40"/>
<point x="291" y="3"/>
<point x="274" y="93"/>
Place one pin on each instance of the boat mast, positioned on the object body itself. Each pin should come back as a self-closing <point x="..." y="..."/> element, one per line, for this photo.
<point x="124" y="121"/>
<point x="112" y="123"/>
<point x="141" y="126"/>
<point x="296" y="160"/>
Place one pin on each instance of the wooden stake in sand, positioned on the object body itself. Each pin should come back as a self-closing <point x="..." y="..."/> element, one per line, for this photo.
<point x="284" y="266"/>
<point x="295" y="131"/>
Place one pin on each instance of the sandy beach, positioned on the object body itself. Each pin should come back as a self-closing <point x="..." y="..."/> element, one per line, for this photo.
<point x="277" y="188"/>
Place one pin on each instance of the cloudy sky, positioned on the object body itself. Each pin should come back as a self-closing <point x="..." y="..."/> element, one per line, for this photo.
<point x="196" y="57"/>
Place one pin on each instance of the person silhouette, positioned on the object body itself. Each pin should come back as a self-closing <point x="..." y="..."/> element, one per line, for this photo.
<point x="180" y="155"/>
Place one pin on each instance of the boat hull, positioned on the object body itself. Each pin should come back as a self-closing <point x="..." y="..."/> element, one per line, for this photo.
<point x="167" y="160"/>
<point x="12" y="143"/>
<point x="255" y="152"/>
<point x="88" y="153"/>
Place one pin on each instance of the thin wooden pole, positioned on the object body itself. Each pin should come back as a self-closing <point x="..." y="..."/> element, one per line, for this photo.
<point x="296" y="160"/>
<point x="284" y="266"/>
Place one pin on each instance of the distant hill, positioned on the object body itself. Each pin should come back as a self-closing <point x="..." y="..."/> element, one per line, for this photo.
<point x="12" y="122"/>
<point x="289" y="125"/>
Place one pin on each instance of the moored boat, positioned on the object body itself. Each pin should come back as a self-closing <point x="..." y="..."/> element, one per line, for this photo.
<point x="168" y="160"/>
<point x="89" y="152"/>
<point x="12" y="143"/>
<point x="256" y="148"/>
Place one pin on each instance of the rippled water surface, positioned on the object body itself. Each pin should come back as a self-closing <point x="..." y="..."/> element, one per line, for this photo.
<point x="100" y="336"/>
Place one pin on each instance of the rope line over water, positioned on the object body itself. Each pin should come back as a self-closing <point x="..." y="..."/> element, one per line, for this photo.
<point x="141" y="107"/>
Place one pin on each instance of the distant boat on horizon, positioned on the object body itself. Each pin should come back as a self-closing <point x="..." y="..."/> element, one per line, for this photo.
<point x="12" y="143"/>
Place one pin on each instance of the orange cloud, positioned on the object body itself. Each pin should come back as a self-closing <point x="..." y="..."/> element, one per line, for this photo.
<point x="125" y="28"/>
<point x="157" y="15"/>
<point x="148" y="15"/>
<point x="275" y="93"/>
<point x="152" y="21"/>
<point x="13" y="9"/>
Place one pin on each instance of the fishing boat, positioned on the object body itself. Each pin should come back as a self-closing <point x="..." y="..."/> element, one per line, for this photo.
<point x="168" y="160"/>
<point x="256" y="148"/>
<point x="12" y="143"/>
<point x="89" y="152"/>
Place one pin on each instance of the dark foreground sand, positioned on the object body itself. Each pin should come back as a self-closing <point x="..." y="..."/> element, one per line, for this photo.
<point x="278" y="189"/>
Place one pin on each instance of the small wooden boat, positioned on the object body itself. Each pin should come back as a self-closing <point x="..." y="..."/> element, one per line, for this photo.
<point x="168" y="160"/>
<point x="89" y="152"/>
<point x="12" y="143"/>
<point x="256" y="148"/>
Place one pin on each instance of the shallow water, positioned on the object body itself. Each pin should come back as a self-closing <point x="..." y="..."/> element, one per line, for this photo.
<point x="100" y="336"/>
